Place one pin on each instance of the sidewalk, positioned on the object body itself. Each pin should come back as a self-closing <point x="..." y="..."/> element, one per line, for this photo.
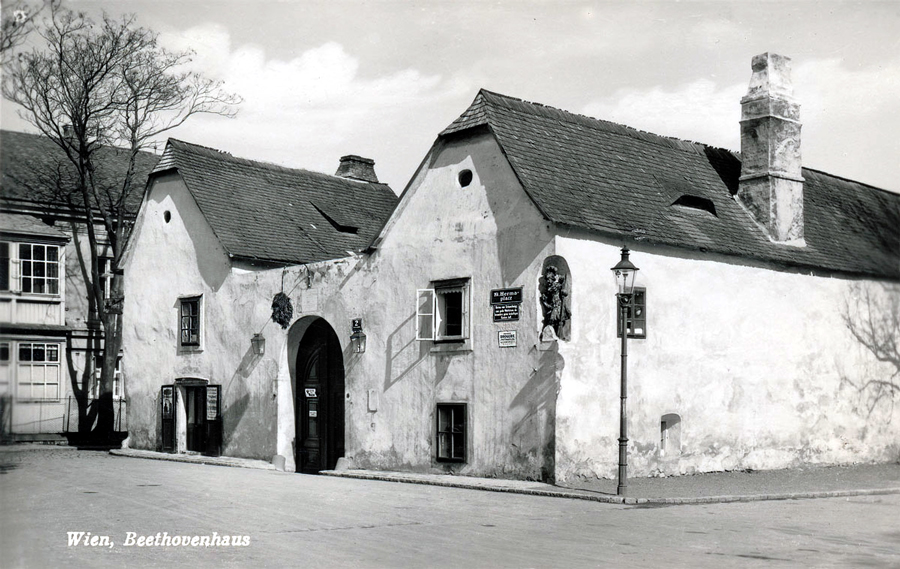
<point x="789" y="484"/>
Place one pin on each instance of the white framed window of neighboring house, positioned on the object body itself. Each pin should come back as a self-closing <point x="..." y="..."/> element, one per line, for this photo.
<point x="442" y="312"/>
<point x="117" y="377"/>
<point x="38" y="268"/>
<point x="37" y="371"/>
<point x="4" y="368"/>
<point x="104" y="269"/>
<point x="29" y="268"/>
<point x="190" y="323"/>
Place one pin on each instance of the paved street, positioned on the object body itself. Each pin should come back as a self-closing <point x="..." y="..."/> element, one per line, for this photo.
<point x="317" y="521"/>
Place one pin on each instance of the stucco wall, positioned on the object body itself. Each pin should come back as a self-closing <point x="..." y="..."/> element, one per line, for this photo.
<point x="752" y="359"/>
<point x="179" y="258"/>
<point x="491" y="233"/>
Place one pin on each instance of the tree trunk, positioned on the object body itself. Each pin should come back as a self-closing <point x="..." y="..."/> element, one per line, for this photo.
<point x="112" y="331"/>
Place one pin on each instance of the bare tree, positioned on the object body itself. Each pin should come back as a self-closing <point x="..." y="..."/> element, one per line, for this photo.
<point x="97" y="88"/>
<point x="873" y="318"/>
<point x="16" y="22"/>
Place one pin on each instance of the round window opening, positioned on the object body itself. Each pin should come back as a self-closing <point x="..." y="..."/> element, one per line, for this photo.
<point x="465" y="178"/>
<point x="167" y="216"/>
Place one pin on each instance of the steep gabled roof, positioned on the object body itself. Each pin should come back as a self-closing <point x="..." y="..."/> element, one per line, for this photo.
<point x="601" y="176"/>
<point x="30" y="164"/>
<point x="270" y="213"/>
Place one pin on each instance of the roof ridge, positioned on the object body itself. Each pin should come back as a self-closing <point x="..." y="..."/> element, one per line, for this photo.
<point x="607" y="125"/>
<point x="215" y="153"/>
<point x="852" y="181"/>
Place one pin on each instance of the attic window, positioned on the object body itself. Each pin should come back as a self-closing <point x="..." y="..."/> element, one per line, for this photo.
<point x="697" y="203"/>
<point x="342" y="227"/>
<point x="465" y="178"/>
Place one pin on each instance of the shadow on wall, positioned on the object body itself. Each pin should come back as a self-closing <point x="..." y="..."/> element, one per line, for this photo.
<point x="535" y="432"/>
<point x="214" y="268"/>
<point x="239" y="395"/>
<point x="871" y="313"/>
<point x="402" y="356"/>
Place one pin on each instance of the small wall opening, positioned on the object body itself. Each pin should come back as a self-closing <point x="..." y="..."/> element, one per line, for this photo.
<point x="465" y="178"/>
<point x="670" y="435"/>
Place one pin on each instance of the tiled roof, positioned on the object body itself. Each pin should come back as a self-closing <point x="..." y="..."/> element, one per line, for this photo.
<point x="16" y="224"/>
<point x="28" y="163"/>
<point x="601" y="176"/>
<point x="271" y="213"/>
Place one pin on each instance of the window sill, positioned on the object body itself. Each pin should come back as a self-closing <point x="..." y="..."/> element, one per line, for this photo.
<point x="451" y="346"/>
<point x="187" y="350"/>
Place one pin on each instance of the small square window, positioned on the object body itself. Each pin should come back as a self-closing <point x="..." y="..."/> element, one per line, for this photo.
<point x="451" y="432"/>
<point x="442" y="312"/>
<point x="190" y="322"/>
<point x="636" y="315"/>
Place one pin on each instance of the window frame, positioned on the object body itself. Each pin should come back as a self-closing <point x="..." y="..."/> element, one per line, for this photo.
<point x="13" y="272"/>
<point x="432" y="315"/>
<point x="33" y="364"/>
<point x="117" y="377"/>
<point x="633" y="322"/>
<point x="195" y="345"/>
<point x="458" y="429"/>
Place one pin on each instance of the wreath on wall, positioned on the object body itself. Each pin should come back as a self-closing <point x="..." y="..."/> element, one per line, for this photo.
<point x="282" y="311"/>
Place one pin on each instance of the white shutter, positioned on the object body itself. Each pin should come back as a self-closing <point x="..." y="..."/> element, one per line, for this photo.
<point x="15" y="280"/>
<point x="426" y="315"/>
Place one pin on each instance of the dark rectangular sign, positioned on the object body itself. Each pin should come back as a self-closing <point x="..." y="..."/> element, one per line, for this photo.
<point x="506" y="296"/>
<point x="506" y="312"/>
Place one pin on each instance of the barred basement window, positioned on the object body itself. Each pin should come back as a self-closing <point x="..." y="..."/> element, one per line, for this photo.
<point x="451" y="432"/>
<point x="636" y="315"/>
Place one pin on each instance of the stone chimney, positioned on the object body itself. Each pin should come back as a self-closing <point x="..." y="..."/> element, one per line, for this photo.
<point x="771" y="183"/>
<point x="357" y="168"/>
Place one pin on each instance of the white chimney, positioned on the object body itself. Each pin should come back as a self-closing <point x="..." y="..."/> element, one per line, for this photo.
<point x="771" y="183"/>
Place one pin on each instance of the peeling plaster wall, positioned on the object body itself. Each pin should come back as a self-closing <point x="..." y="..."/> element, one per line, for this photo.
<point x="751" y="358"/>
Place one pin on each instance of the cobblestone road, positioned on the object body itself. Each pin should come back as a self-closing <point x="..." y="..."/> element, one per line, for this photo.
<point x="315" y="521"/>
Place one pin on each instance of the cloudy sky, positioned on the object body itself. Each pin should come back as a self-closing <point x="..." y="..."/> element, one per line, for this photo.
<point x="382" y="78"/>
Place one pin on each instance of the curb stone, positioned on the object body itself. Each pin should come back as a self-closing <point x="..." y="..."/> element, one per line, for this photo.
<point x="195" y="459"/>
<point x="629" y="501"/>
<point x="496" y="486"/>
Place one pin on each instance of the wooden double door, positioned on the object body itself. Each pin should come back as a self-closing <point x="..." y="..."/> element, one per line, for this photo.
<point x="320" y="400"/>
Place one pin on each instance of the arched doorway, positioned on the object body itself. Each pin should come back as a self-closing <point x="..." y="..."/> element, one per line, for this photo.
<point x="320" y="399"/>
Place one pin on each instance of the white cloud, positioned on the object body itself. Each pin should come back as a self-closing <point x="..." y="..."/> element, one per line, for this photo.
<point x="850" y="116"/>
<point x="306" y="111"/>
<point x="699" y="111"/>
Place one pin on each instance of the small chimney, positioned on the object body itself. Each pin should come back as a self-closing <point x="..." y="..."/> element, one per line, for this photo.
<point x="357" y="168"/>
<point x="771" y="183"/>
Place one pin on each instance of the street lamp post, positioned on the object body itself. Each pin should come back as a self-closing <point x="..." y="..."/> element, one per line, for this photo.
<point x="625" y="273"/>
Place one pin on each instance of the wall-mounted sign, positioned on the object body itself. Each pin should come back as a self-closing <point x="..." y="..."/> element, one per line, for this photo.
<point x="310" y="392"/>
<point x="506" y="296"/>
<point x="507" y="338"/>
<point x="356" y="325"/>
<point x="313" y="413"/>
<point x="506" y="312"/>
<point x="212" y="402"/>
<point x="167" y="402"/>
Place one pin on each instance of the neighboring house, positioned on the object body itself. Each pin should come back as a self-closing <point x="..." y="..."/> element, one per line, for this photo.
<point x="487" y="311"/>
<point x="45" y="332"/>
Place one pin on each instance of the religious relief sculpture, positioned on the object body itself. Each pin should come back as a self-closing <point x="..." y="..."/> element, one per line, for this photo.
<point x="554" y="301"/>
